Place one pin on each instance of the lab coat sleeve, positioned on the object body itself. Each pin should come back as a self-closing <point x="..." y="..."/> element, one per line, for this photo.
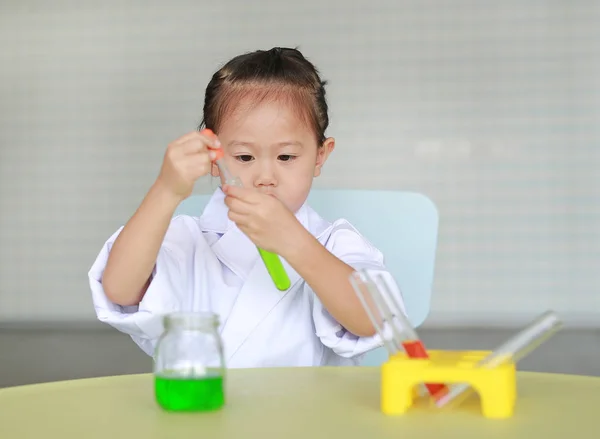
<point x="165" y="293"/>
<point x="349" y="246"/>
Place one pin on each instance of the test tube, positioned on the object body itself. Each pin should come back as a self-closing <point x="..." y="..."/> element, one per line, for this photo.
<point x="224" y="170"/>
<point x="271" y="260"/>
<point x="514" y="349"/>
<point x="365" y="289"/>
<point x="383" y="308"/>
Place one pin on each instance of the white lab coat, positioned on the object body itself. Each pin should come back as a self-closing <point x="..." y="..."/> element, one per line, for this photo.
<point x="206" y="262"/>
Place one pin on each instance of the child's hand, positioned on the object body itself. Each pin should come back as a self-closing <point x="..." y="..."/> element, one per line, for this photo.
<point x="186" y="160"/>
<point x="264" y="219"/>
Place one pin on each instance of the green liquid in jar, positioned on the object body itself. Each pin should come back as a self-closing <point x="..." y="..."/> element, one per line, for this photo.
<point x="189" y="394"/>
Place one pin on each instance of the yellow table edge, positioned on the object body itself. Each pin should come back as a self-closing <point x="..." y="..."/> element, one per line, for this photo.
<point x="34" y="387"/>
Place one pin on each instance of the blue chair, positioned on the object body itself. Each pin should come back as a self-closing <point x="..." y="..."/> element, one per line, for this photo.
<point x="403" y="225"/>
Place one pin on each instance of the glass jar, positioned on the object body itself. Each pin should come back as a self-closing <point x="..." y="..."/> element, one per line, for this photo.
<point x="189" y="367"/>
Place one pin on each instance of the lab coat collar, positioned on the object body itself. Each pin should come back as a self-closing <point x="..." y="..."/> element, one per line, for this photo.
<point x="214" y="217"/>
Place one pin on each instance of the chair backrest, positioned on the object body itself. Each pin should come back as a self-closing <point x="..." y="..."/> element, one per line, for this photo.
<point x="402" y="225"/>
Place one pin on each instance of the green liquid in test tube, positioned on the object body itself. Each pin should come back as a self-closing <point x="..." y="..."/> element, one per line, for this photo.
<point x="275" y="269"/>
<point x="271" y="260"/>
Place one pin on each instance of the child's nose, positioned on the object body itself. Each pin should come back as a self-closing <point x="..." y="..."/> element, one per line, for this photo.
<point x="266" y="176"/>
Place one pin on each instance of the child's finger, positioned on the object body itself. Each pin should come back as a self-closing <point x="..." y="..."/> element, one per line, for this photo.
<point x="199" y="164"/>
<point x="193" y="147"/>
<point x="211" y="138"/>
<point x="237" y="218"/>
<point x="211" y="141"/>
<point x="241" y="193"/>
<point x="186" y="138"/>
<point x="238" y="205"/>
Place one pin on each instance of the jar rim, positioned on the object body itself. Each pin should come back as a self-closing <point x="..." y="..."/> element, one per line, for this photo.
<point x="191" y="319"/>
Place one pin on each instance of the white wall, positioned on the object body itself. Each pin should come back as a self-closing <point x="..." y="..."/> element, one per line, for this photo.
<point x="490" y="108"/>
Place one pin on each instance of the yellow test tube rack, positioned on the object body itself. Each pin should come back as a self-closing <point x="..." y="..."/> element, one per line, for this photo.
<point x="400" y="376"/>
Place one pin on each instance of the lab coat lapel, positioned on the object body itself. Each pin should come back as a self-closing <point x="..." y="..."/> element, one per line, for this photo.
<point x="258" y="295"/>
<point x="234" y="249"/>
<point x="255" y="301"/>
<point x="237" y="252"/>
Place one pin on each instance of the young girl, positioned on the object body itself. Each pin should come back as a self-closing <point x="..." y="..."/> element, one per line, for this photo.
<point x="269" y="114"/>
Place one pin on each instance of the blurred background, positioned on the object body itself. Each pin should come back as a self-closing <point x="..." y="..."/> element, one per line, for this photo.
<point x="491" y="109"/>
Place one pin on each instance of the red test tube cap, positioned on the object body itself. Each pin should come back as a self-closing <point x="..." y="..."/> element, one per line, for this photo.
<point x="219" y="154"/>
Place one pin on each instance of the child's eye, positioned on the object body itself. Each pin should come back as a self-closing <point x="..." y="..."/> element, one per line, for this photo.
<point x="244" y="158"/>
<point x="286" y="157"/>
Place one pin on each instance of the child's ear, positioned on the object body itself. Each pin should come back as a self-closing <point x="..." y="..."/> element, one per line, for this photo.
<point x="323" y="154"/>
<point x="214" y="170"/>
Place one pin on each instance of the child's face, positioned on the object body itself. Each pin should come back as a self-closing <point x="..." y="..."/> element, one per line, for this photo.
<point x="271" y="149"/>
